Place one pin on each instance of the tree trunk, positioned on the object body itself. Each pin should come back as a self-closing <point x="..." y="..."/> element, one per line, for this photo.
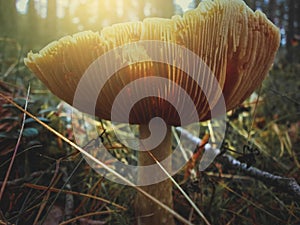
<point x="290" y="31"/>
<point x="8" y="19"/>
<point x="271" y="10"/>
<point x="149" y="213"/>
<point x="297" y="9"/>
<point x="32" y="30"/>
<point x="51" y="21"/>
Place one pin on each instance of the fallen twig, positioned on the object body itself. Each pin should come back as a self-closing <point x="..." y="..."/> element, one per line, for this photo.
<point x="21" y="181"/>
<point x="52" y="189"/>
<point x="286" y="185"/>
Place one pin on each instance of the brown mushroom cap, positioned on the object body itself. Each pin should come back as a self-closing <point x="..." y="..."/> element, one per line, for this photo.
<point x="237" y="44"/>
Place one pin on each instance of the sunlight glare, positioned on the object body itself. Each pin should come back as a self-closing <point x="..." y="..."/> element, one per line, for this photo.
<point x="74" y="8"/>
<point x="21" y="6"/>
<point x="41" y="7"/>
<point x="184" y="4"/>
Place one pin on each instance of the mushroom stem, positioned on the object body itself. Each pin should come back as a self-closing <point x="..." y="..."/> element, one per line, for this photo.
<point x="148" y="213"/>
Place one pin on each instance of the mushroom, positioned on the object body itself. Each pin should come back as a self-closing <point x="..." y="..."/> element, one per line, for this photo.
<point x="235" y="43"/>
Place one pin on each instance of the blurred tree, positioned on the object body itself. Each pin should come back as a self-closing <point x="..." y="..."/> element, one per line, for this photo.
<point x="290" y="30"/>
<point x="297" y="9"/>
<point x="271" y="10"/>
<point x="65" y="24"/>
<point x="51" y="21"/>
<point x="32" y="29"/>
<point x="8" y="19"/>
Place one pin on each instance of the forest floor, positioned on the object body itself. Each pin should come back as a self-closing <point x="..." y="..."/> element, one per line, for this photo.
<point x="45" y="180"/>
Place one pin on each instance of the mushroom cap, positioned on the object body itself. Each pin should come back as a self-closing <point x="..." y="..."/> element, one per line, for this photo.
<point x="237" y="44"/>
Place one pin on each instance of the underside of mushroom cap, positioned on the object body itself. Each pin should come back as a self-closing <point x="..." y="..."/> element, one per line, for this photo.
<point x="237" y="44"/>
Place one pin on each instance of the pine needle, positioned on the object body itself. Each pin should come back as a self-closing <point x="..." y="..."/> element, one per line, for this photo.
<point x="17" y="145"/>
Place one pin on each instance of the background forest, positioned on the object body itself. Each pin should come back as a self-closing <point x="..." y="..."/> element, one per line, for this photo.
<point x="49" y="182"/>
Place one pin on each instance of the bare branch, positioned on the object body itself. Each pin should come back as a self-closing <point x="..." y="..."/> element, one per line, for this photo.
<point x="286" y="185"/>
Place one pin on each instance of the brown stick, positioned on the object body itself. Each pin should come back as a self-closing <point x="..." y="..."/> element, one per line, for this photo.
<point x="287" y="185"/>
